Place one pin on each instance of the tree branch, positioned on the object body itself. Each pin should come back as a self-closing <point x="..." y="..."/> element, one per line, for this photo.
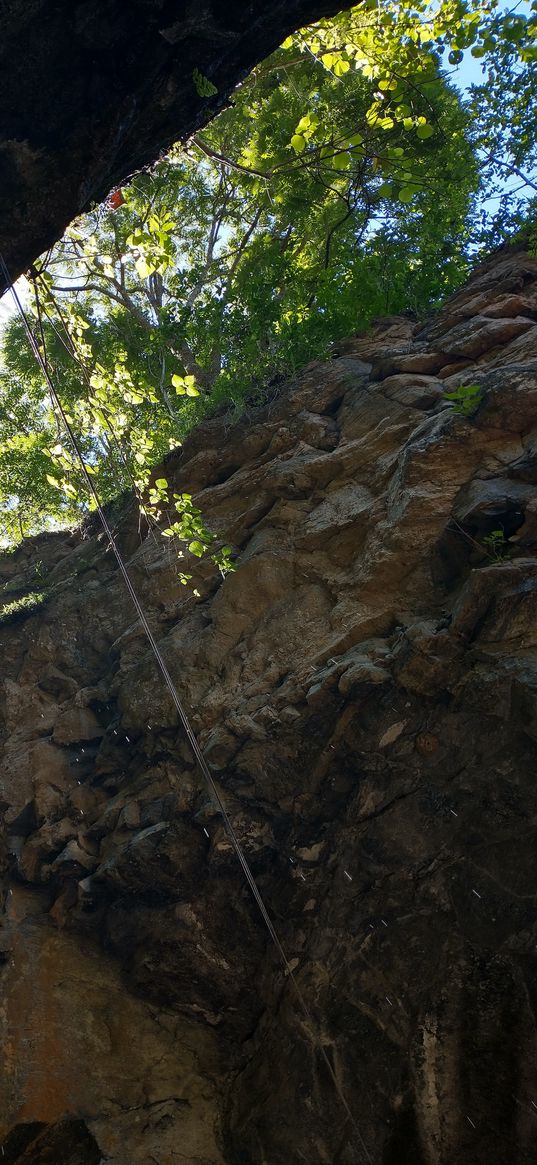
<point x="215" y="156"/>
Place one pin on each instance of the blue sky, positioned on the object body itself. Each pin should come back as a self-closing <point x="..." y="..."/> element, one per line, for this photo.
<point x="472" y="71"/>
<point x="469" y="72"/>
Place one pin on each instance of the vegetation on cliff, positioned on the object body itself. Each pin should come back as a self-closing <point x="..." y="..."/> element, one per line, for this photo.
<point x="347" y="179"/>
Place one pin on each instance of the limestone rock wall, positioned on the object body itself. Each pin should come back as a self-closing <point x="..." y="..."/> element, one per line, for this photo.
<point x="365" y="690"/>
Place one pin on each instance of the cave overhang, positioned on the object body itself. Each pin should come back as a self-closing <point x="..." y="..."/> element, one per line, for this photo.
<point x="93" y="90"/>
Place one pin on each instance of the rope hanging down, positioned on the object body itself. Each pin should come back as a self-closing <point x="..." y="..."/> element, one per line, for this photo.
<point x="67" y="343"/>
<point x="41" y="358"/>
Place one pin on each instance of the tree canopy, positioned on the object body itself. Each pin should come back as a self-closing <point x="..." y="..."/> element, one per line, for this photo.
<point x="347" y="179"/>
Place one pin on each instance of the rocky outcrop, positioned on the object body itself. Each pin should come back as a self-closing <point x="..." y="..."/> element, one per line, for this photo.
<point x="364" y="687"/>
<point x="92" y="90"/>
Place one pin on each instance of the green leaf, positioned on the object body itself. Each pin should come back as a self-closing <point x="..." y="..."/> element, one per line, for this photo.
<point x="425" y="131"/>
<point x="143" y="268"/>
<point x="298" y="143"/>
<point x="341" y="161"/>
<point x="203" y="86"/>
<point x="185" y="385"/>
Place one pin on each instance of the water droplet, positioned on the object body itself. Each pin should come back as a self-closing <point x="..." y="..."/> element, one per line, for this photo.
<point x="347" y="875"/>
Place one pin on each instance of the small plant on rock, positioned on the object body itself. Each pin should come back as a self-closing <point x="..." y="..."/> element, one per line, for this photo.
<point x="189" y="527"/>
<point x="19" y="609"/>
<point x="466" y="399"/>
<point x="496" y="545"/>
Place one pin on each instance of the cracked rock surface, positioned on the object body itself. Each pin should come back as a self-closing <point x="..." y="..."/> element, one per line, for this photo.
<point x="364" y="687"/>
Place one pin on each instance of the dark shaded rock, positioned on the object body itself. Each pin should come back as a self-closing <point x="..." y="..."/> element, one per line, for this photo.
<point x="68" y="1141"/>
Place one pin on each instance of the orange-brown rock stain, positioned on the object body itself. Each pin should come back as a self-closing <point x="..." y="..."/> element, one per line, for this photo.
<point x="39" y="1064"/>
<point x="74" y="1042"/>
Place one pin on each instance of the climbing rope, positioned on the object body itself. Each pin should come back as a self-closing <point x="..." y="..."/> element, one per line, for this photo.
<point x="67" y="343"/>
<point x="42" y="360"/>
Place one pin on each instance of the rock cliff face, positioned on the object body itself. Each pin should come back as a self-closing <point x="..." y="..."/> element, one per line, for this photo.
<point x="365" y="690"/>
